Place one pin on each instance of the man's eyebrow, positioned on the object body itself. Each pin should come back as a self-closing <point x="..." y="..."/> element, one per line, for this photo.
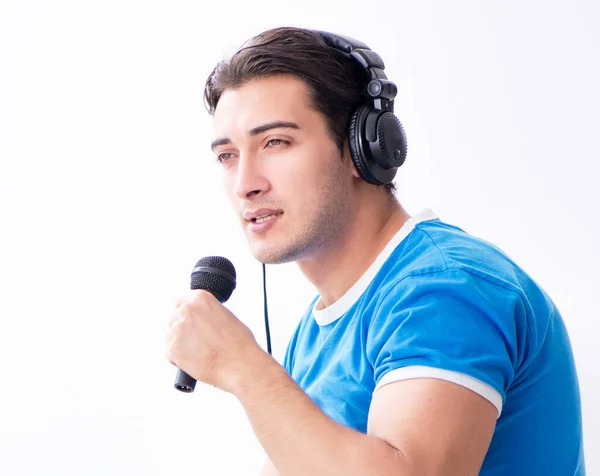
<point x="220" y="141"/>
<point x="273" y="125"/>
<point x="257" y="130"/>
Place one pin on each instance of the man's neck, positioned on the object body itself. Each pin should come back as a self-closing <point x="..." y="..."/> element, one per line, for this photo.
<point x="335" y="270"/>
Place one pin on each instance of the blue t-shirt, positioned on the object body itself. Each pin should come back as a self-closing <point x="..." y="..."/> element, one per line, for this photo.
<point x="440" y="303"/>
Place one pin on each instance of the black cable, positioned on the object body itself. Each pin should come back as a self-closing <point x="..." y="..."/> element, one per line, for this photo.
<point x="266" y="310"/>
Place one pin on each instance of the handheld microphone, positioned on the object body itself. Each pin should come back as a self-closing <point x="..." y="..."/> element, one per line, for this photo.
<point x="216" y="275"/>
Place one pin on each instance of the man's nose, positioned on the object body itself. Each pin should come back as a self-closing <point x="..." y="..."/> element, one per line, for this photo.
<point x="250" y="179"/>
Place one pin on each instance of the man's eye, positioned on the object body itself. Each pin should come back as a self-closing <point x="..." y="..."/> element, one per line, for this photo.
<point x="225" y="156"/>
<point x="276" y="142"/>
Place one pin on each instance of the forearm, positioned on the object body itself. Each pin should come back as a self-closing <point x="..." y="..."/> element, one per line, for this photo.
<point x="299" y="438"/>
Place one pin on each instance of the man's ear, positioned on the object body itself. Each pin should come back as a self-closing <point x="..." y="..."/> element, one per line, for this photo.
<point x="348" y="157"/>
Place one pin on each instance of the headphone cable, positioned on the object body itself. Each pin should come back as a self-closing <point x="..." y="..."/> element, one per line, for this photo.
<point x="266" y="310"/>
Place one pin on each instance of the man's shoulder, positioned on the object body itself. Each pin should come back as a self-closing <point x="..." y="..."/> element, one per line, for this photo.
<point x="435" y="247"/>
<point x="440" y="265"/>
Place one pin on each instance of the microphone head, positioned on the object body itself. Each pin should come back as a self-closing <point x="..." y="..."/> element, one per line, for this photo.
<point x="216" y="275"/>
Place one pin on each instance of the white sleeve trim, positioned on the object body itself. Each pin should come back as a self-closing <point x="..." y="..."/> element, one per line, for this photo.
<point x="420" y="371"/>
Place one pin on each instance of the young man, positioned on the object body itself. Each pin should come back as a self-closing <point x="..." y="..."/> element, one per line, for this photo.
<point x="427" y="351"/>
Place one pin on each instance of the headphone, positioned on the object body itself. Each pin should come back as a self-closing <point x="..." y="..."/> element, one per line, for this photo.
<point x="375" y="135"/>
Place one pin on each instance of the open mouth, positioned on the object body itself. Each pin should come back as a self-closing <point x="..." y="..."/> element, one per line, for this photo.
<point x="265" y="218"/>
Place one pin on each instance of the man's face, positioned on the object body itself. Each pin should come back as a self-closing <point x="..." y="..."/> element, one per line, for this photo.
<point x="282" y="170"/>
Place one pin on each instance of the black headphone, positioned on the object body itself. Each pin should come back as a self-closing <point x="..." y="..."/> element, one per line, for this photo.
<point x="375" y="136"/>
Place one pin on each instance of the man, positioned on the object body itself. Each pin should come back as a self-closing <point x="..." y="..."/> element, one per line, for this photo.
<point x="427" y="351"/>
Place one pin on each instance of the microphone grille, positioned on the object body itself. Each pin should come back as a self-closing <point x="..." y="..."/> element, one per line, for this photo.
<point x="216" y="275"/>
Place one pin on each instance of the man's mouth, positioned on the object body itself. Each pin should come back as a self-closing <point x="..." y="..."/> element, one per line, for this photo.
<point x="262" y="214"/>
<point x="265" y="218"/>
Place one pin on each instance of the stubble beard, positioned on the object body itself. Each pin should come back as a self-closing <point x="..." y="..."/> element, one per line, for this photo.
<point x="318" y="225"/>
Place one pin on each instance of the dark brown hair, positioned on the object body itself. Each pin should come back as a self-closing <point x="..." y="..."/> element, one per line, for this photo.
<point x="337" y="85"/>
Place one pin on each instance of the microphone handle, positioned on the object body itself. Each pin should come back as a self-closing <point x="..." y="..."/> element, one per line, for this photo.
<point x="184" y="382"/>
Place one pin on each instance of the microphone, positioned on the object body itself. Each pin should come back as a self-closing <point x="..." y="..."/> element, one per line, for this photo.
<point x="216" y="275"/>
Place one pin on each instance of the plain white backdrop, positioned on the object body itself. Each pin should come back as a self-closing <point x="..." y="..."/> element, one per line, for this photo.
<point x="109" y="194"/>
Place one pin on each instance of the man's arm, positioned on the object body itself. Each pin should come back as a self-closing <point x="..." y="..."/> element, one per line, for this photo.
<point x="269" y="469"/>
<point x="416" y="427"/>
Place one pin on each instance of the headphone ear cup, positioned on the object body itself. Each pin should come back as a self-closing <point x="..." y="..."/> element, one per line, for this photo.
<point x="358" y="158"/>
<point x="390" y="151"/>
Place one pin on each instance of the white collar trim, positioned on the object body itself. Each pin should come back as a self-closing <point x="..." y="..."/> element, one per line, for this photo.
<point x="331" y="313"/>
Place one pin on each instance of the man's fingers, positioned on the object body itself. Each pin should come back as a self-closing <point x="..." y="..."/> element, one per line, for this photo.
<point x="181" y="299"/>
<point x="174" y="317"/>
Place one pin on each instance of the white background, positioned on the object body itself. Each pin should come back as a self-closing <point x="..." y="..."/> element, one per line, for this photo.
<point x="109" y="194"/>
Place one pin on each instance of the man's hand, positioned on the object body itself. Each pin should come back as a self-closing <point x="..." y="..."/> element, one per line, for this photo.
<point x="208" y="342"/>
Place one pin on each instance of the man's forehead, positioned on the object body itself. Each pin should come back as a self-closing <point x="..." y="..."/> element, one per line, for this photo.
<point x="260" y="102"/>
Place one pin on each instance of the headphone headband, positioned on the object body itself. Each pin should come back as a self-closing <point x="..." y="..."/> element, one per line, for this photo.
<point x="379" y="87"/>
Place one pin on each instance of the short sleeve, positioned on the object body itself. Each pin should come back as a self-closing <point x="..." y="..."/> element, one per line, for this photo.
<point x="452" y="325"/>
<point x="288" y="358"/>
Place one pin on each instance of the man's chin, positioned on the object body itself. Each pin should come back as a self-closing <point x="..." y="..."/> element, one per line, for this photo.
<point x="270" y="254"/>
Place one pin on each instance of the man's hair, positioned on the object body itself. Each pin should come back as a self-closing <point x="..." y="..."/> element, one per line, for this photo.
<point x="337" y="85"/>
